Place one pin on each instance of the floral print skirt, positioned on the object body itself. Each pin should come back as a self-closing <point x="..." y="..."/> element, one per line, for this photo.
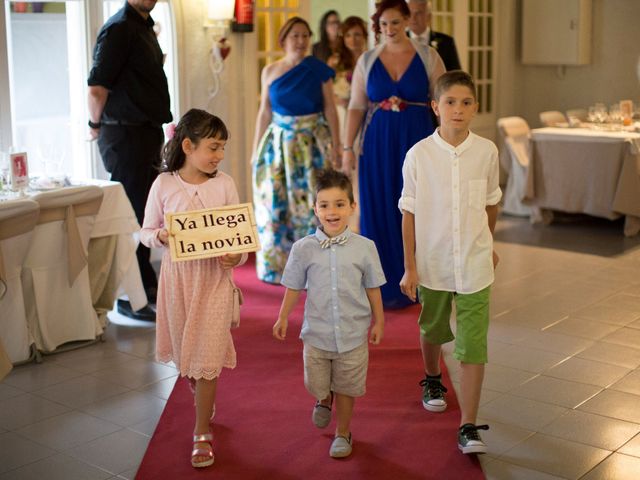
<point x="290" y="153"/>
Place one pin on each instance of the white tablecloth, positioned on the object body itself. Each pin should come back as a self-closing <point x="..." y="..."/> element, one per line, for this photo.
<point x="117" y="218"/>
<point x="113" y="269"/>
<point x="587" y="171"/>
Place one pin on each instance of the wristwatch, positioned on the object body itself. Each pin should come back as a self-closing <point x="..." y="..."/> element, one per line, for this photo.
<point x="94" y="125"/>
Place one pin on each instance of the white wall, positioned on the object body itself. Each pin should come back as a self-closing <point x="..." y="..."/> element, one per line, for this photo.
<point x="526" y="90"/>
<point x="232" y="101"/>
<point x="359" y="8"/>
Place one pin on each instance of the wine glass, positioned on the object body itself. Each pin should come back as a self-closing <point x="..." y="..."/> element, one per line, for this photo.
<point x="5" y="177"/>
<point x="615" y="115"/>
<point x="601" y="113"/>
<point x="55" y="162"/>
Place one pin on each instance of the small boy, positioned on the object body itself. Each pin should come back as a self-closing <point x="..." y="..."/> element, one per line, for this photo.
<point x="342" y="274"/>
<point x="449" y="204"/>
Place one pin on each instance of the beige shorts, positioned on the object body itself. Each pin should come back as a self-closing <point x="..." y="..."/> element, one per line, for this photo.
<point x="344" y="373"/>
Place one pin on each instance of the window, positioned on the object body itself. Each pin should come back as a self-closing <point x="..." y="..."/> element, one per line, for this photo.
<point x="481" y="51"/>
<point x="472" y="24"/>
<point x="45" y="63"/>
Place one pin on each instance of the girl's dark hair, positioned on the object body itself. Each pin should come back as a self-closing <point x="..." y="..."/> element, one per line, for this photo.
<point x="323" y="47"/>
<point x="451" y="78"/>
<point x="195" y="125"/>
<point x="329" y="178"/>
<point x="346" y="56"/>
<point x="288" y="25"/>
<point x="400" y="5"/>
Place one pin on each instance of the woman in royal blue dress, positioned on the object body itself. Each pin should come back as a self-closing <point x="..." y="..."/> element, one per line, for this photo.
<point x="392" y="85"/>
<point x="296" y="132"/>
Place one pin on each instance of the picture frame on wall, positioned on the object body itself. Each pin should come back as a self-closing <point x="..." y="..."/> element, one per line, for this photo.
<point x="19" y="171"/>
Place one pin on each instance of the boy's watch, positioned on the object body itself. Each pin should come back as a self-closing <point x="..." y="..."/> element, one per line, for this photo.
<point x="94" y="125"/>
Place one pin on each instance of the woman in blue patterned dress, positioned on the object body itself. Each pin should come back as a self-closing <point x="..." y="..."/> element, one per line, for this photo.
<point x="296" y="131"/>
<point x="392" y="85"/>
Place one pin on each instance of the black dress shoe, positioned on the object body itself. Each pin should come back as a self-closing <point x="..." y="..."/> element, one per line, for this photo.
<point x="145" y="313"/>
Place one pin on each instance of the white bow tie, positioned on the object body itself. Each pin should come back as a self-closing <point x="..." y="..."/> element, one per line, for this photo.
<point x="341" y="240"/>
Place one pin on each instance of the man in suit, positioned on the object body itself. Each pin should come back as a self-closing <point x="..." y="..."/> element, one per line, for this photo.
<point x="420" y="29"/>
<point x="128" y="103"/>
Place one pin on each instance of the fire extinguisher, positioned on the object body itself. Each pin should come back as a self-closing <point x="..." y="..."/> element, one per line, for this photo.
<point x="243" y="17"/>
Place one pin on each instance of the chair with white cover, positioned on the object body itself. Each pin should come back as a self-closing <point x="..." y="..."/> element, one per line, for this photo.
<point x="17" y="221"/>
<point x="552" y="118"/>
<point x="516" y="134"/>
<point x="55" y="276"/>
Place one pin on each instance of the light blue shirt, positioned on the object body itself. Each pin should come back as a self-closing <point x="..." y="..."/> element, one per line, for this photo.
<point x="337" y="314"/>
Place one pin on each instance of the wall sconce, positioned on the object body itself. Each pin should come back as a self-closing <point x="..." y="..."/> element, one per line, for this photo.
<point x="219" y="17"/>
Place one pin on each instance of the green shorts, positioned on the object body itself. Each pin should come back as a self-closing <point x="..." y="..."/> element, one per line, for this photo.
<point x="472" y="320"/>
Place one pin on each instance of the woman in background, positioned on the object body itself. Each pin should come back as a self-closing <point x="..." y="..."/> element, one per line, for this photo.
<point x="296" y="136"/>
<point x="354" y="43"/>
<point x="392" y="84"/>
<point x="328" y="48"/>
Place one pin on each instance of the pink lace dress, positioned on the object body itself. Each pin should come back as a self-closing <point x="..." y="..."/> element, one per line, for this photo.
<point x="194" y="302"/>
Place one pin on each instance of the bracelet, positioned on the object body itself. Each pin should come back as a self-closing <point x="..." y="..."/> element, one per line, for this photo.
<point x="345" y="148"/>
<point x="94" y="125"/>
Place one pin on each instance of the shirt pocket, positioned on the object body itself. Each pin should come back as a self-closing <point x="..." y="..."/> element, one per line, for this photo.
<point x="478" y="194"/>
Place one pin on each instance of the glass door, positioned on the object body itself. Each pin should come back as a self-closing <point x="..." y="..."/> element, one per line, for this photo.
<point x="270" y="16"/>
<point x="45" y="57"/>
<point x="472" y="23"/>
<point x="47" y="69"/>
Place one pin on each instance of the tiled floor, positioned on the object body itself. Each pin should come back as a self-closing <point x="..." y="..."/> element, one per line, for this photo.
<point x="562" y="389"/>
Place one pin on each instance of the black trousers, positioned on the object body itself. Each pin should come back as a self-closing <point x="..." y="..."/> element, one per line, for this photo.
<point x="131" y="154"/>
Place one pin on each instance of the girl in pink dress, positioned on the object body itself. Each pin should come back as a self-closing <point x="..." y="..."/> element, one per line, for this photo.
<point x="195" y="297"/>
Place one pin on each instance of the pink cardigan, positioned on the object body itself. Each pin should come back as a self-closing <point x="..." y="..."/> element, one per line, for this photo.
<point x="167" y="195"/>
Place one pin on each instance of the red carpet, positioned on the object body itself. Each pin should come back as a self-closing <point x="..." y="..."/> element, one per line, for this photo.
<point x="263" y="426"/>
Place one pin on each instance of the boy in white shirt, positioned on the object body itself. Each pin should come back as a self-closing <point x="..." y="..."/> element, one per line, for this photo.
<point x="449" y="204"/>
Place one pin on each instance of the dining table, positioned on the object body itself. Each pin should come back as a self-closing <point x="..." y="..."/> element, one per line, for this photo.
<point x="110" y="257"/>
<point x="594" y="171"/>
<point x="113" y="268"/>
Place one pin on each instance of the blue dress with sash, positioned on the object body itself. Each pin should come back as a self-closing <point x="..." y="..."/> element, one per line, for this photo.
<point x="296" y="145"/>
<point x="388" y="137"/>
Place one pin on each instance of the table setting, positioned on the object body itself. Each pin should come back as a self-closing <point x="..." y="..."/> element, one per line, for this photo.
<point x="105" y="236"/>
<point x="589" y="167"/>
<point x="622" y="116"/>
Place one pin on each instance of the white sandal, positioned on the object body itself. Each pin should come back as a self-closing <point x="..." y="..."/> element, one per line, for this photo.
<point x="202" y="452"/>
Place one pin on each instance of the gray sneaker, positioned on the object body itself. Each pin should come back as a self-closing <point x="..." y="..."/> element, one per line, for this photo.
<point x="341" y="447"/>
<point x="433" y="394"/>
<point x="321" y="415"/>
<point x="469" y="440"/>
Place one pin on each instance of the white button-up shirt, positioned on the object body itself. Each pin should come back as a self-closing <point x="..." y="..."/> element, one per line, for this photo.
<point x="423" y="38"/>
<point x="447" y="189"/>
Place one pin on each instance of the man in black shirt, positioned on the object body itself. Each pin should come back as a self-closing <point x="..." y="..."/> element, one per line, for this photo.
<point x="128" y="103"/>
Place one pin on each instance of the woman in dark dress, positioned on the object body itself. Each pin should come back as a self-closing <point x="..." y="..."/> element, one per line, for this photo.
<point x="392" y="85"/>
